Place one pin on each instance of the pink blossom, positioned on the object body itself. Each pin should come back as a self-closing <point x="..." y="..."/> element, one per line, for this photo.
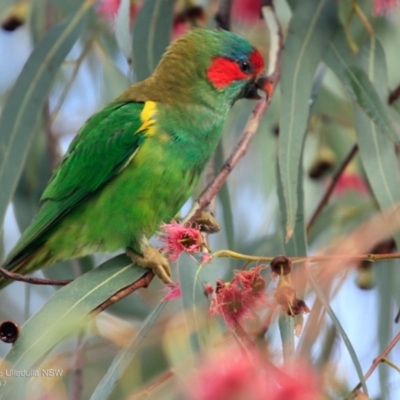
<point x="108" y="9"/>
<point x="246" y="10"/>
<point x="173" y="291"/>
<point x="235" y="375"/>
<point x="235" y="301"/>
<point x="178" y="239"/>
<point x="251" y="279"/>
<point x="382" y="7"/>
<point x="206" y="258"/>
<point x="208" y="289"/>
<point x="350" y="182"/>
<point x="184" y="19"/>
<point x="295" y="382"/>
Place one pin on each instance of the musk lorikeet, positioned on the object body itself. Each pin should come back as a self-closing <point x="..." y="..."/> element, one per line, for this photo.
<point x="135" y="163"/>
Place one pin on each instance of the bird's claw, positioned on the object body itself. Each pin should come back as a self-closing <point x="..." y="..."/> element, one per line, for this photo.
<point x="207" y="222"/>
<point x="153" y="260"/>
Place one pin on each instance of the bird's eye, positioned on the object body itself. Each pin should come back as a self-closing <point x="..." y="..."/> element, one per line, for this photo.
<point x="245" y="66"/>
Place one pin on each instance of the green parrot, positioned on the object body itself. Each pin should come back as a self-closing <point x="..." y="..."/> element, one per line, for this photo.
<point x="136" y="162"/>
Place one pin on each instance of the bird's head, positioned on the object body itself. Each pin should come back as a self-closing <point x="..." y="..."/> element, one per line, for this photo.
<point x="213" y="64"/>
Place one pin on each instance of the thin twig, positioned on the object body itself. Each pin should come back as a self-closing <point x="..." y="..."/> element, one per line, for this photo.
<point x="212" y="189"/>
<point x="390" y="364"/>
<point x="251" y="127"/>
<point x="145" y="280"/>
<point x="378" y="360"/>
<point x="29" y="279"/>
<point x="68" y="85"/>
<point x="329" y="191"/>
<point x="311" y="259"/>
<point x="223" y="15"/>
<point x="142" y="282"/>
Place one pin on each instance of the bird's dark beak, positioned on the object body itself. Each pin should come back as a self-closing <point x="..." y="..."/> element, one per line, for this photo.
<point x="263" y="83"/>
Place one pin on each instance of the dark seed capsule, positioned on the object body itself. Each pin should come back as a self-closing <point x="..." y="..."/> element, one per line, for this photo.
<point x="9" y="331"/>
<point x="275" y="130"/>
<point x="281" y="265"/>
<point x="11" y="24"/>
<point x="320" y="169"/>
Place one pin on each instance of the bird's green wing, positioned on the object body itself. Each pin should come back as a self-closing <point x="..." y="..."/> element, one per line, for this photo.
<point x="103" y="147"/>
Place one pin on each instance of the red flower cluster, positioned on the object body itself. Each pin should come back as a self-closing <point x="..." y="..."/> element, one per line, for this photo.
<point x="236" y="300"/>
<point x="233" y="375"/>
<point x="246" y="10"/>
<point x="173" y="291"/>
<point x="185" y="16"/>
<point x="108" y="9"/>
<point x="178" y="239"/>
<point x="382" y="7"/>
<point x="350" y="181"/>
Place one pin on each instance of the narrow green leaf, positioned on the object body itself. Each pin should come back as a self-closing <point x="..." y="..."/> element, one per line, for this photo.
<point x="67" y="310"/>
<point x="324" y="301"/>
<point x="122" y="30"/>
<point x="225" y="199"/>
<point x="377" y="151"/>
<point x="309" y="32"/>
<point x="5" y="5"/>
<point x="286" y="329"/>
<point x="341" y="62"/>
<point x="386" y="287"/>
<point x="297" y="244"/>
<point x="25" y="101"/>
<point x="192" y="279"/>
<point x="151" y="35"/>
<point x="125" y="356"/>
<point x="34" y="178"/>
<point x="188" y="277"/>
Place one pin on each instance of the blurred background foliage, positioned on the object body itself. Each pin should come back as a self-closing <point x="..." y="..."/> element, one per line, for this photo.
<point x="60" y="61"/>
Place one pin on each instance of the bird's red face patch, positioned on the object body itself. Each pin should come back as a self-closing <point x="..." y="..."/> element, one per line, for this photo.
<point x="257" y="61"/>
<point x="223" y="71"/>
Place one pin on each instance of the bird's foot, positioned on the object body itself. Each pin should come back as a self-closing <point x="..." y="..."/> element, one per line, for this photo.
<point x="207" y="222"/>
<point x="154" y="260"/>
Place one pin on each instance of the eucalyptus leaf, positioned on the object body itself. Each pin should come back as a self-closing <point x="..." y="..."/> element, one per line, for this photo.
<point x="67" y="311"/>
<point x="309" y="33"/>
<point x="297" y="244"/>
<point x="125" y="356"/>
<point x="122" y="29"/>
<point x="34" y="178"/>
<point x="339" y="328"/>
<point x="342" y="63"/>
<point x="386" y="286"/>
<point x="225" y="198"/>
<point x="192" y="278"/>
<point x="377" y="151"/>
<point x="25" y="101"/>
<point x="151" y="35"/>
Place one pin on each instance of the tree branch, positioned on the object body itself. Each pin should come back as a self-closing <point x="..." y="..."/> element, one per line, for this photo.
<point x="329" y="191"/>
<point x="141" y="283"/>
<point x="274" y="72"/>
<point x="29" y="279"/>
<point x="378" y="360"/>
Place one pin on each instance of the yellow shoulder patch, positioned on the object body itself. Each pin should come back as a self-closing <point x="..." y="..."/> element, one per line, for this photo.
<point x="147" y="116"/>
